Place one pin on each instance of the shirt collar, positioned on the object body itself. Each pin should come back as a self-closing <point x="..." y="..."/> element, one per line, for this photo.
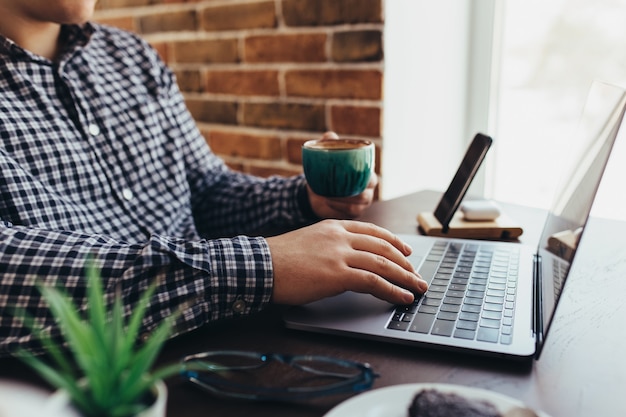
<point x="72" y="37"/>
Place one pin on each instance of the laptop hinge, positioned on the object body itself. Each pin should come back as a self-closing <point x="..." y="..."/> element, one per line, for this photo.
<point x="537" y="304"/>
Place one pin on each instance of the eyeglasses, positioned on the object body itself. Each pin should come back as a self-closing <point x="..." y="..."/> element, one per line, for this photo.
<point x="275" y="377"/>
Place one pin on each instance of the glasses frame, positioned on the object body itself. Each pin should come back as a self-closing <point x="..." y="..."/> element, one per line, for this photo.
<point x="349" y="383"/>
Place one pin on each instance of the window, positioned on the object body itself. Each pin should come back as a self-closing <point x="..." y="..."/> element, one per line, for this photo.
<point x="548" y="53"/>
<point x="518" y="70"/>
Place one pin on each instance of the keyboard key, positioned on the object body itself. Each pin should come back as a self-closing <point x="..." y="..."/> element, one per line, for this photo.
<point x="496" y="286"/>
<point x="487" y="335"/>
<point x="452" y="308"/>
<point x="434" y="302"/>
<point x="469" y="316"/>
<point x="440" y="281"/>
<point x="471" y="308"/>
<point x="407" y="317"/>
<point x="490" y="323"/>
<point x="494" y="315"/>
<point x="428" y="309"/>
<point x="422" y="323"/>
<point x="464" y="334"/>
<point x="477" y="287"/>
<point x="438" y="295"/>
<point x="398" y="325"/>
<point x="437" y="288"/>
<point x="491" y="306"/>
<point x="446" y="315"/>
<point x="475" y="294"/>
<point x="443" y="328"/>
<point x="456" y="294"/>
<point x="457" y="287"/>
<point x="427" y="270"/>
<point x="409" y="308"/>
<point x="495" y="293"/>
<point x="466" y="325"/>
<point x="453" y="300"/>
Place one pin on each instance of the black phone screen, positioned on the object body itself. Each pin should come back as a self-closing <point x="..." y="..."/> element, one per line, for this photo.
<point x="453" y="196"/>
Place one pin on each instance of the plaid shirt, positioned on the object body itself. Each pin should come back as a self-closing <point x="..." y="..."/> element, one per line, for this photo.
<point x="100" y="156"/>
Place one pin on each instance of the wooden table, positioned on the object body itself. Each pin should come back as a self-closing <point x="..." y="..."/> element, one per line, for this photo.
<point x="581" y="372"/>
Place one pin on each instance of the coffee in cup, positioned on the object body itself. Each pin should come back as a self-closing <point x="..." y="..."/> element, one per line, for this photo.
<point x="338" y="167"/>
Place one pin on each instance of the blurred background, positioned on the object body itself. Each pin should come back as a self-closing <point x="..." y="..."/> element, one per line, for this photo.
<point x="418" y="77"/>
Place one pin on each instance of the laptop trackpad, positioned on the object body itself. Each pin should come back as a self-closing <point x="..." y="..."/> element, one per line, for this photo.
<point x="346" y="310"/>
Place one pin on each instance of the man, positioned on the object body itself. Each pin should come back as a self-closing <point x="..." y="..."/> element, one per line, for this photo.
<point x="100" y="157"/>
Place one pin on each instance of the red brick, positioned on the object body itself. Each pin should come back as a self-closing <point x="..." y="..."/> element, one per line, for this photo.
<point x="184" y="20"/>
<point x="122" y="22"/>
<point x="209" y="111"/>
<point x="235" y="166"/>
<point x="331" y="12"/>
<point x="285" y="116"/>
<point x="239" y="16"/>
<point x="259" y="83"/>
<point x="357" y="46"/>
<point x="356" y="120"/>
<point x="294" y="150"/>
<point x="113" y="4"/>
<point x="205" y="51"/>
<point x="236" y="144"/>
<point x="286" y="48"/>
<point x="265" y="171"/>
<point x="190" y="81"/>
<point x="349" y="84"/>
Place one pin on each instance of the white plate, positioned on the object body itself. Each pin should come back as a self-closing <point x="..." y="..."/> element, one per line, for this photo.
<point x="394" y="401"/>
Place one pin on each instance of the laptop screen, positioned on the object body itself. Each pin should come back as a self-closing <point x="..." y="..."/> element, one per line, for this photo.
<point x="596" y="133"/>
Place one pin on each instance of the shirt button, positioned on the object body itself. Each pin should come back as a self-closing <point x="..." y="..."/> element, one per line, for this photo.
<point x="94" y="130"/>
<point x="127" y="194"/>
<point x="239" y="306"/>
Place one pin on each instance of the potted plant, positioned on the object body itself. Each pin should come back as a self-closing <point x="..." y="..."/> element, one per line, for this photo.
<point x="104" y="372"/>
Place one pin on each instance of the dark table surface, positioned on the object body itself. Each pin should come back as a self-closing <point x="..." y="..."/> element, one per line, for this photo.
<point x="581" y="372"/>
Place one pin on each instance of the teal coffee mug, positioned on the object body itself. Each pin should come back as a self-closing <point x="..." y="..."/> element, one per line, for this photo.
<point x="338" y="167"/>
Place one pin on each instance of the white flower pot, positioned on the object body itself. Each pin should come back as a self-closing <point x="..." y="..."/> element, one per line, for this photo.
<point x="22" y="400"/>
<point x="159" y="408"/>
<point x="60" y="403"/>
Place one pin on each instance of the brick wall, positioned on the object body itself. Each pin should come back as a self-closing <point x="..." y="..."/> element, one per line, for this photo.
<point x="262" y="76"/>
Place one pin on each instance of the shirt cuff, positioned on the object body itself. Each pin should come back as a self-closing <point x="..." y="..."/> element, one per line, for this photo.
<point x="305" y="204"/>
<point x="243" y="266"/>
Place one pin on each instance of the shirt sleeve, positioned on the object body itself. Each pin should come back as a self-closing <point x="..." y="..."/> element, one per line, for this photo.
<point x="212" y="270"/>
<point x="227" y="202"/>
<point x="207" y="279"/>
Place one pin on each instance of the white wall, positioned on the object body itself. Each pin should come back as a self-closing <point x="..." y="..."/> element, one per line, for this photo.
<point x="428" y="75"/>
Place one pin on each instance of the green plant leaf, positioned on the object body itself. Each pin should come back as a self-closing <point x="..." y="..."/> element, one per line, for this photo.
<point x="57" y="379"/>
<point x="144" y="359"/>
<point x="108" y="373"/>
<point x="97" y="302"/>
<point x="139" y="312"/>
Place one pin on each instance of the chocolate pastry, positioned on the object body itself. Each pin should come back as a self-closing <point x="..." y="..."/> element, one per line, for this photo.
<point x="434" y="403"/>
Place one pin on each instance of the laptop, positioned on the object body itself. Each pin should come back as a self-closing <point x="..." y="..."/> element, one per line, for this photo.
<point x="492" y="298"/>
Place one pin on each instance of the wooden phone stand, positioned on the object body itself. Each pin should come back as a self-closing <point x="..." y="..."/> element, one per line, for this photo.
<point x="502" y="228"/>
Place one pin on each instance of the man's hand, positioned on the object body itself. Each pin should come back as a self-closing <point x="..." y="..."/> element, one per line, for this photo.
<point x="333" y="256"/>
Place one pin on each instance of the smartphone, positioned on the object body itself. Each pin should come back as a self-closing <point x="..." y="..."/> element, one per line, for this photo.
<point x="453" y="196"/>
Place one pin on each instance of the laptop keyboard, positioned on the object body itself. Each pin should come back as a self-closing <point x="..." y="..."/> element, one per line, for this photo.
<point x="471" y="293"/>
